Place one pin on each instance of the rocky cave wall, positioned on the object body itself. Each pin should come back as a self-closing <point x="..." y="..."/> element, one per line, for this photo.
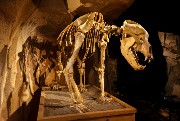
<point x="28" y="32"/>
<point x="21" y="61"/>
<point x="171" y="50"/>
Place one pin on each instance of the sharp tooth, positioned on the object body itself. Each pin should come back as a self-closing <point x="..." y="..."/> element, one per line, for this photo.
<point x="146" y="58"/>
<point x="149" y="61"/>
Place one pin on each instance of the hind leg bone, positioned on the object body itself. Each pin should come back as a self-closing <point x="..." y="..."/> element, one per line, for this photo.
<point x="68" y="70"/>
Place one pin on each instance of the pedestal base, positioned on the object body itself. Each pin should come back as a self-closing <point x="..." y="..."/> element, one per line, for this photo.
<point x="57" y="106"/>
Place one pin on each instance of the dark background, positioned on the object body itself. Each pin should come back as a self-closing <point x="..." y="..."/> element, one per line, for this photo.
<point x="149" y="84"/>
<point x="145" y="89"/>
<point x="163" y="14"/>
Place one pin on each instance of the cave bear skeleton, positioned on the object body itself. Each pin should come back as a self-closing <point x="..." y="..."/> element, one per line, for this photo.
<point x="86" y="31"/>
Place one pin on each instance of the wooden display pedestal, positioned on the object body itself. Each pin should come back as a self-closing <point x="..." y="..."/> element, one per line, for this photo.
<point x="57" y="106"/>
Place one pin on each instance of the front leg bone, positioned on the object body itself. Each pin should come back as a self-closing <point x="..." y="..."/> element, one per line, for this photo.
<point x="102" y="45"/>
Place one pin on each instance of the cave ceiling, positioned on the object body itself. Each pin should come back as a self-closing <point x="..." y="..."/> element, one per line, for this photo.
<point x="47" y="18"/>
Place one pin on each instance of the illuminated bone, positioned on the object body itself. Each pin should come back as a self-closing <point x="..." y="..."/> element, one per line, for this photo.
<point x="81" y="27"/>
<point x="81" y="69"/>
<point x="92" y="28"/>
<point x="59" y="70"/>
<point x="102" y="45"/>
<point x="135" y="39"/>
<point x="68" y="70"/>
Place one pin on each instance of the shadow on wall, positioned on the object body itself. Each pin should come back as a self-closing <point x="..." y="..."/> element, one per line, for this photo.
<point x="27" y="112"/>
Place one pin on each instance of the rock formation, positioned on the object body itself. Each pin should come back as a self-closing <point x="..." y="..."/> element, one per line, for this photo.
<point x="171" y="50"/>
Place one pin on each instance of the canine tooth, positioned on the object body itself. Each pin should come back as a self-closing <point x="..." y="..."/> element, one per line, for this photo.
<point x="149" y="61"/>
<point x="146" y="58"/>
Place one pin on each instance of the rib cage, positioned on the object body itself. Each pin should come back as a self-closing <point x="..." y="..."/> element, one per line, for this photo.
<point x="66" y="38"/>
<point x="91" y="38"/>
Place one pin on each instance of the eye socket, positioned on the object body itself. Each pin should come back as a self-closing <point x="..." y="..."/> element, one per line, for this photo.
<point x="141" y="39"/>
<point x="125" y="35"/>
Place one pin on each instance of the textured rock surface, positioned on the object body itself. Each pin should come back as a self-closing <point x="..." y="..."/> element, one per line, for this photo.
<point x="28" y="31"/>
<point x="171" y="51"/>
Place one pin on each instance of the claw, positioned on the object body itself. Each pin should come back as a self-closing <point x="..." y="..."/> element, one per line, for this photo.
<point x="82" y="89"/>
<point x="104" y="99"/>
<point x="81" y="108"/>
